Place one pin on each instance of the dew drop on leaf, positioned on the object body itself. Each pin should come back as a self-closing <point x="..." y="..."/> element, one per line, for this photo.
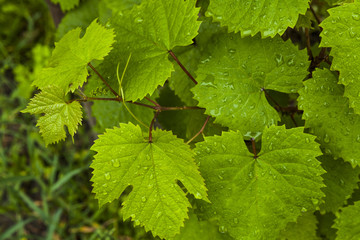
<point x="139" y="20"/>
<point x="307" y="140"/>
<point x="223" y="147"/>
<point x="326" y="138"/>
<point x="107" y="176"/>
<point x="236" y="221"/>
<point x="198" y="195"/>
<point x="358" y="138"/>
<point x="115" y="162"/>
<point x="270" y="146"/>
<point x="143" y="199"/>
<point x="356" y="16"/>
<point x="315" y="201"/>
<point x="231" y="50"/>
<point x="303" y="210"/>
<point x="222" y="229"/>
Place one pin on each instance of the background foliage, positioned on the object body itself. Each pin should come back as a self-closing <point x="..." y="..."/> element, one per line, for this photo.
<point x="293" y="65"/>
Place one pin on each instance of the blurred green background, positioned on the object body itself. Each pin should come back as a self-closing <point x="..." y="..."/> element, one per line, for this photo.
<point x="45" y="193"/>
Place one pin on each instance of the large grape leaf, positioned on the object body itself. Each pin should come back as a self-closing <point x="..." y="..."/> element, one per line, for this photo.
<point x="341" y="32"/>
<point x="328" y="115"/>
<point x="348" y="222"/>
<point x="255" y="197"/>
<point x="147" y="32"/>
<point x="250" y="17"/>
<point x="67" y="67"/>
<point x="340" y="180"/>
<point x="232" y="80"/>
<point x="125" y="158"/>
<point x="57" y="113"/>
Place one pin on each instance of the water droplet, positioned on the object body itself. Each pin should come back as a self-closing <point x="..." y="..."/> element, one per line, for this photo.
<point x="352" y="33"/>
<point x="279" y="59"/>
<point x="222" y="229"/>
<point x="107" y="176"/>
<point x="250" y="175"/>
<point x="139" y="20"/>
<point x="115" y="162"/>
<point x="356" y="16"/>
<point x="326" y="138"/>
<point x="223" y="147"/>
<point x="270" y="146"/>
<point x="315" y="201"/>
<point x="303" y="210"/>
<point x="158" y="214"/>
<point x="143" y="199"/>
<point x="290" y="62"/>
<point x="231" y="50"/>
<point x="198" y="195"/>
<point x="208" y="150"/>
<point x="307" y="140"/>
<point x="137" y="222"/>
<point x="342" y="182"/>
<point x="151" y="176"/>
<point x="236" y="221"/>
<point x="358" y="138"/>
<point x="220" y="177"/>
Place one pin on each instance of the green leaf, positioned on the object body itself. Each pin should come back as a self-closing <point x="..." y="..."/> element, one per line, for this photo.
<point x="250" y="17"/>
<point x="255" y="197"/>
<point x="304" y="228"/>
<point x="340" y="180"/>
<point x="148" y="32"/>
<point x="67" y="67"/>
<point x="66" y="4"/>
<point x="328" y="115"/>
<point x="232" y="80"/>
<point x="57" y="114"/>
<point x="348" y="222"/>
<point x="338" y="2"/>
<point x="125" y="158"/>
<point x="81" y="16"/>
<point x="200" y="230"/>
<point x="341" y="31"/>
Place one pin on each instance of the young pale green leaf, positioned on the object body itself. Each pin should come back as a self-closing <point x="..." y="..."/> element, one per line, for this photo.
<point x="341" y="32"/>
<point x="328" y="115"/>
<point x="125" y="158"/>
<point x="148" y="32"/>
<point x="57" y="114"/>
<point x="340" y="180"/>
<point x="67" y="67"/>
<point x="348" y="222"/>
<point x="250" y="17"/>
<point x="255" y="197"/>
<point x="234" y="79"/>
<point x="66" y="4"/>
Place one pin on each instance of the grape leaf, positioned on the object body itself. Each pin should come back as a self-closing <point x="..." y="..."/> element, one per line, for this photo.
<point x="200" y="230"/>
<point x="348" y="222"/>
<point x="67" y="67"/>
<point x="304" y="228"/>
<point x="81" y="16"/>
<point x="340" y="180"/>
<point x="147" y="32"/>
<point x="256" y="197"/>
<point x="125" y="158"/>
<point x="57" y="113"/>
<point x="338" y="2"/>
<point x="341" y="31"/>
<point x="250" y="17"/>
<point x="232" y="80"/>
<point x="66" y="4"/>
<point x="328" y="115"/>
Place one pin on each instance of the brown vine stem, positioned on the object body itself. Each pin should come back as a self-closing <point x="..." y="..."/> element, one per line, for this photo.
<point x="314" y="13"/>
<point x="201" y="130"/>
<point x="152" y="101"/>
<point x="103" y="80"/>
<point x="152" y="125"/>
<point x="182" y="66"/>
<point x="254" y="147"/>
<point x="308" y="44"/>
